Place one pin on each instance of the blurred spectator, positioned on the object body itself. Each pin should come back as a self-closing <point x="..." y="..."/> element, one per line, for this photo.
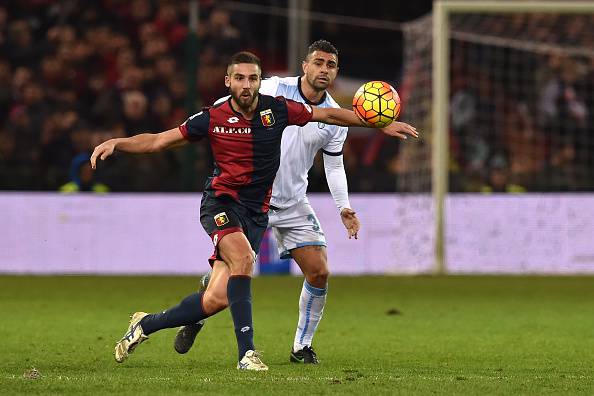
<point x="82" y="177"/>
<point x="562" y="169"/>
<point x="525" y="146"/>
<point x="565" y="114"/>
<point x="498" y="179"/>
<point x="8" y="156"/>
<point x="21" y="49"/>
<point x="5" y="89"/>
<point x="140" y="11"/>
<point x="562" y="107"/>
<point x="167" y="22"/>
<point x="136" y="115"/>
<point x="219" y="37"/>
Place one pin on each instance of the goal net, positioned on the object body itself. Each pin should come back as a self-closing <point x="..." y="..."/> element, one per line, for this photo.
<point x="520" y="103"/>
<point x="502" y="91"/>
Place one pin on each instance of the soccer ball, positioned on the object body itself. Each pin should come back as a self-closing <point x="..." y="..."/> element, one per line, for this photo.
<point x="377" y="104"/>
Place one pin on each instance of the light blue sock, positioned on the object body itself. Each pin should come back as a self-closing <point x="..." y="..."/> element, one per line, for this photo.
<point x="311" y="308"/>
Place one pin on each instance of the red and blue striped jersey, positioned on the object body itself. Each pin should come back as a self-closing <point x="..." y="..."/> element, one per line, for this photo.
<point x="246" y="152"/>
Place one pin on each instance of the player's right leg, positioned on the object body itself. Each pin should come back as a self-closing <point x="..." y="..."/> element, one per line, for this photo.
<point x="236" y="251"/>
<point x="216" y="293"/>
<point x="236" y="233"/>
<point x="314" y="264"/>
<point x="300" y="236"/>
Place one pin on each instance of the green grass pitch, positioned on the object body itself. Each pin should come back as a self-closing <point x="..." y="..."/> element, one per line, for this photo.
<point x="380" y="335"/>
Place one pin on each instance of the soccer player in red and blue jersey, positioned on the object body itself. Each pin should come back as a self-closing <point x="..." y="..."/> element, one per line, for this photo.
<point x="245" y="136"/>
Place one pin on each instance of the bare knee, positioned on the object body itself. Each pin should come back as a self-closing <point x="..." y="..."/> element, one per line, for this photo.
<point x="318" y="275"/>
<point x="236" y="251"/>
<point x="214" y="302"/>
<point x="314" y="263"/>
<point x="241" y="263"/>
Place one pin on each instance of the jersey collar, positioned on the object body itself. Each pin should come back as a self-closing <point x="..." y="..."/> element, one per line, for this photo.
<point x="237" y="113"/>
<point x="309" y="102"/>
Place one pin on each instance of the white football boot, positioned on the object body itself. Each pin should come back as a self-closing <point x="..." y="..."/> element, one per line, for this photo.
<point x="133" y="337"/>
<point x="251" y="361"/>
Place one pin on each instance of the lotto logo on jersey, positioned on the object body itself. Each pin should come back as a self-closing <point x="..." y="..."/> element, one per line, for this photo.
<point x="221" y="219"/>
<point x="267" y="118"/>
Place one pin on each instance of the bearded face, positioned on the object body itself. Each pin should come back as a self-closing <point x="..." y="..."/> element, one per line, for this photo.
<point x="243" y="81"/>
<point x="320" y="69"/>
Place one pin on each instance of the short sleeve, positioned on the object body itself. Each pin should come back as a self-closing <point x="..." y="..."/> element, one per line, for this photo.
<point x="334" y="146"/>
<point x="196" y="127"/>
<point x="298" y="113"/>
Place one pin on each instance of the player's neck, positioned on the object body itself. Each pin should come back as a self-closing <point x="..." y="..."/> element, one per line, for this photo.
<point x="311" y="94"/>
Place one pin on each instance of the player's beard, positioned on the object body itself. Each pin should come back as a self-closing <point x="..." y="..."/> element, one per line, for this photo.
<point x="317" y="84"/>
<point x="244" y="102"/>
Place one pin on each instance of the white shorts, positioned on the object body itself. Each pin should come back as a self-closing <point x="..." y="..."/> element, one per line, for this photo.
<point x="295" y="227"/>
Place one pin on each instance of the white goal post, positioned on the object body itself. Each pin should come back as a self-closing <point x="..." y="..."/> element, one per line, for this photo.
<point x="442" y="11"/>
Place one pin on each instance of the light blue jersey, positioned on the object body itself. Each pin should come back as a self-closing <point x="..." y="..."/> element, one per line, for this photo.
<point x="300" y="144"/>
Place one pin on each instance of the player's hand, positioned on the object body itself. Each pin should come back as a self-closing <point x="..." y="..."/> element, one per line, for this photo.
<point x="351" y="222"/>
<point x="102" y="151"/>
<point x="400" y="130"/>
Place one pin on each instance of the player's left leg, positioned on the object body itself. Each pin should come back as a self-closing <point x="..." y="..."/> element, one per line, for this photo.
<point x="214" y="286"/>
<point x="188" y="311"/>
<point x="191" y="309"/>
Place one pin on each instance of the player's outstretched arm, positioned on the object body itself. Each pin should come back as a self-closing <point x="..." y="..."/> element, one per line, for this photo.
<point x="138" y="144"/>
<point x="336" y="116"/>
<point x="344" y="117"/>
<point x="400" y="130"/>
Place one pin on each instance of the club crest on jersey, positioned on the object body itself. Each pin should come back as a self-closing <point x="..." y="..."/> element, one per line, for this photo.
<point x="267" y="118"/>
<point x="221" y="219"/>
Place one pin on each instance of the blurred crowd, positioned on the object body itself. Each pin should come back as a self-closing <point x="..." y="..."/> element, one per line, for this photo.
<point x="522" y="117"/>
<point x="73" y="74"/>
<point x="521" y="105"/>
<point x="553" y="29"/>
<point x="521" y="109"/>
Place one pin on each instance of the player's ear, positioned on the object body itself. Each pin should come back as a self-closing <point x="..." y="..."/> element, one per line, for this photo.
<point x="304" y="65"/>
<point x="227" y="81"/>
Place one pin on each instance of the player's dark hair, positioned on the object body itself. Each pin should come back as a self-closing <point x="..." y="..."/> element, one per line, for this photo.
<point x="244" y="57"/>
<point x="322" y="45"/>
